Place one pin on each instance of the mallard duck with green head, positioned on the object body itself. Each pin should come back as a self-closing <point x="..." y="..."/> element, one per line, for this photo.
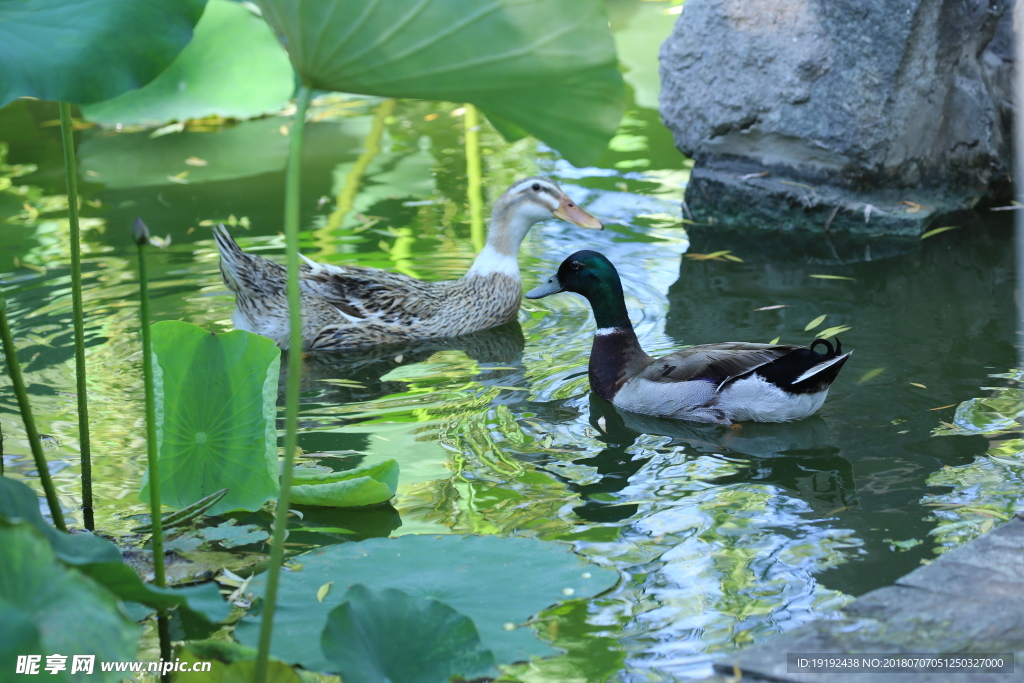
<point x="723" y="383"/>
<point x="347" y="306"/>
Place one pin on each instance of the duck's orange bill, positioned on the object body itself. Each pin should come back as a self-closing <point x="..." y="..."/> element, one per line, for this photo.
<point x="568" y="211"/>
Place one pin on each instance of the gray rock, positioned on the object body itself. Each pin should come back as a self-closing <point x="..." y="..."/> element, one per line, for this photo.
<point x="863" y="103"/>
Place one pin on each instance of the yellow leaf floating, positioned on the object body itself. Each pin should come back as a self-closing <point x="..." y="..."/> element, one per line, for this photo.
<point x="936" y="231"/>
<point x="918" y="385"/>
<point x="833" y="277"/>
<point x="322" y="592"/>
<point x="814" y="323"/>
<point x="775" y="341"/>
<point x="943" y="407"/>
<point x="832" y="331"/>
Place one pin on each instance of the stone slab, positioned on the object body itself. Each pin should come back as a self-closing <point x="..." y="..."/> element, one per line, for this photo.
<point x="969" y="600"/>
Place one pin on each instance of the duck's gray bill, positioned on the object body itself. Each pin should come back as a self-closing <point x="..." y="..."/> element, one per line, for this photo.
<point x="552" y="286"/>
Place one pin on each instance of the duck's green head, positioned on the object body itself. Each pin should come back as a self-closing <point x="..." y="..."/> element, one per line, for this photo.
<point x="586" y="272"/>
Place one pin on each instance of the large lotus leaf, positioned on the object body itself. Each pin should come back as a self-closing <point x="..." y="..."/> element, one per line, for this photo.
<point x="493" y="581"/>
<point x="234" y="67"/>
<point x="100" y="559"/>
<point x="89" y="50"/>
<point x="216" y="404"/>
<point x="390" y="636"/>
<point x="47" y="605"/>
<point x="366" y="485"/>
<point x="547" y="66"/>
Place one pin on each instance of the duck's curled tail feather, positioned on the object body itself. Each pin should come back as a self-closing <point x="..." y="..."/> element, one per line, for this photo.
<point x="244" y="273"/>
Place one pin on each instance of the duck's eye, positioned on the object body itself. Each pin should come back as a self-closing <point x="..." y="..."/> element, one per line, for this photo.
<point x="536" y="187"/>
<point x="570" y="205"/>
<point x="575" y="265"/>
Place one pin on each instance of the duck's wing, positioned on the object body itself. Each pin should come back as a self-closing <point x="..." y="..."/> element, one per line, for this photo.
<point x="365" y="293"/>
<point x="716" y="363"/>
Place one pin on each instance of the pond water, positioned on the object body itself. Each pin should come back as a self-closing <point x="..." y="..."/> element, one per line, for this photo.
<point x="723" y="537"/>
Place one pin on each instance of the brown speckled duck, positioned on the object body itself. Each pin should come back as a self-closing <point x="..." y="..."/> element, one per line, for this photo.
<point x="346" y="307"/>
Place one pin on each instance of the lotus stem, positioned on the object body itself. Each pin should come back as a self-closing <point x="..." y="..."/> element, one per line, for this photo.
<point x="291" y="402"/>
<point x="14" y="370"/>
<point x="71" y="175"/>
<point x="141" y="236"/>
<point x="474" y="177"/>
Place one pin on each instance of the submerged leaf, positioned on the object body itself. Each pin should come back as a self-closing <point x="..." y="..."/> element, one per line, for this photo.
<point x="548" y="68"/>
<point x="391" y="636"/>
<point x="870" y="374"/>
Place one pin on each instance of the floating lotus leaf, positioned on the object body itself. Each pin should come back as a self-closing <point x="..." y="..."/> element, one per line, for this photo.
<point x="390" y="636"/>
<point x="493" y="581"/>
<point x="366" y="485"/>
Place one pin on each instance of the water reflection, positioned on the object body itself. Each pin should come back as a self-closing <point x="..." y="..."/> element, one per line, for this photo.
<point x="723" y="536"/>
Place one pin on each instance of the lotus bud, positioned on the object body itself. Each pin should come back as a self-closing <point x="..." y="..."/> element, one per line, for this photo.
<point x="140" y="233"/>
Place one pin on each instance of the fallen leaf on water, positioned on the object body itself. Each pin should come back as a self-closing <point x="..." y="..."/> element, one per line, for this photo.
<point x="832" y="331"/>
<point x="913" y="207"/>
<point x="943" y="407"/>
<point x="870" y="374"/>
<point x="775" y="341"/>
<point x="814" y="323"/>
<point x="771" y="308"/>
<point x="789" y="182"/>
<point x="833" y="277"/>
<point x="918" y="385"/>
<point x="322" y="592"/>
<point x="936" y="231"/>
<point x="737" y="259"/>
<point x="196" y="161"/>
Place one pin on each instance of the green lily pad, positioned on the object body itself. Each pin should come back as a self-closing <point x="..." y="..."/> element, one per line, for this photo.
<point x="366" y="485"/>
<point x="89" y="50"/>
<point x="390" y="636"/>
<point x="234" y="67"/>
<point x="216" y="404"/>
<point x="101" y="560"/>
<point x="547" y="67"/>
<point x="44" y="604"/>
<point x="493" y="581"/>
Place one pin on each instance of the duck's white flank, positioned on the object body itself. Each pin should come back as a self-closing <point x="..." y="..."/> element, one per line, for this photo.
<point x="490" y="261"/>
<point x="821" y="366"/>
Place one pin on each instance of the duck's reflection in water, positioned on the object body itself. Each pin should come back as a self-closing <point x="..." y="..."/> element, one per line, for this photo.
<point x="356" y="375"/>
<point x="799" y="457"/>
